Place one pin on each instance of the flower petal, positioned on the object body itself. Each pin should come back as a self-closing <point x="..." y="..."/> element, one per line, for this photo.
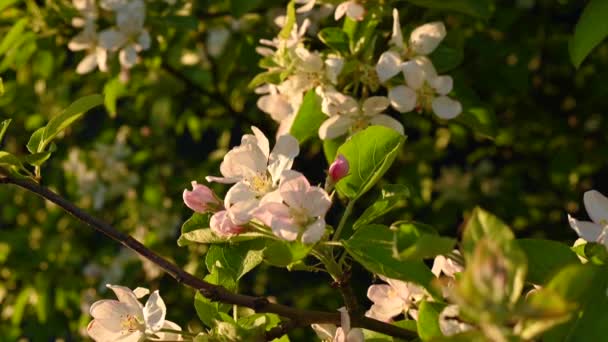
<point x="87" y="64"/>
<point x="128" y="56"/>
<point x="355" y="11"/>
<point x="424" y="39"/>
<point x="446" y="108"/>
<point x="387" y="121"/>
<point x="314" y="232"/>
<point x="293" y="189"/>
<point x="286" y="146"/>
<point x="591" y="232"/>
<point x="317" y="202"/>
<point x="442" y="84"/>
<point x="596" y="205"/>
<point x="324" y="331"/>
<point x="125" y="295"/>
<point x="389" y="65"/>
<point x="155" y="312"/>
<point x="397" y="35"/>
<point x="167" y="336"/>
<point x="414" y="74"/>
<point x="111" y="39"/>
<point x="402" y="98"/>
<point x="262" y="141"/>
<point x="244" y="161"/>
<point x="374" y="105"/>
<point x="340" y="10"/>
<point x="334" y="127"/>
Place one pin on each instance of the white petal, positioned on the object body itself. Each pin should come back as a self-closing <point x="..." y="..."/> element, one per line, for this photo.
<point x="402" y="98"/>
<point x="427" y="66"/>
<point x="262" y="141"/>
<point x="374" y="105"/>
<point x="286" y="146"/>
<point x="414" y="74"/>
<point x="310" y="61"/>
<point x="355" y="335"/>
<point x="279" y="164"/>
<point x="128" y="56"/>
<point x="397" y="35"/>
<point x="355" y="11"/>
<point x="244" y="161"/>
<point x="154" y="312"/>
<point x="334" y="127"/>
<point x="125" y="295"/>
<point x="316" y="202"/>
<point x="446" y="108"/>
<point x="276" y="105"/>
<point x="293" y="188"/>
<point x="389" y="65"/>
<point x="167" y="336"/>
<point x="241" y="212"/>
<point x="87" y="64"/>
<point x="142" y="291"/>
<point x="308" y="5"/>
<point x="591" y="232"/>
<point x="333" y="68"/>
<point x="100" y="333"/>
<point x="324" y="331"/>
<point x="111" y="39"/>
<point x="340" y="10"/>
<point x="387" y="121"/>
<point x="442" y="84"/>
<point x="426" y="38"/>
<point x="314" y="232"/>
<point x="596" y="205"/>
<point x="102" y="59"/>
<point x="107" y="309"/>
<point x="144" y="41"/>
<point x="344" y="319"/>
<point x="239" y="192"/>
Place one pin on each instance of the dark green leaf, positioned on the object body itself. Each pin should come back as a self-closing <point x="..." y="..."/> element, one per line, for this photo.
<point x="483" y="224"/>
<point x="284" y="253"/>
<point x="479" y="118"/>
<point x="237" y="259"/>
<point x="370" y="153"/>
<point x="207" y="236"/>
<point x="335" y="38"/>
<point x="273" y="77"/>
<point x="446" y="58"/>
<point x="545" y="258"/>
<point x="3" y="126"/>
<point x="309" y="118"/>
<point x="206" y="310"/>
<point x="10" y="39"/>
<point x="592" y="251"/>
<point x="428" y="320"/>
<point x="392" y="197"/>
<point x="476" y="8"/>
<point x="372" y="246"/>
<point x="113" y="90"/>
<point x="591" y="29"/>
<point x="37" y="159"/>
<point x="415" y="241"/>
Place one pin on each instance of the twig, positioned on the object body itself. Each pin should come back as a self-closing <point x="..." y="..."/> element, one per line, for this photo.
<point x="211" y="291"/>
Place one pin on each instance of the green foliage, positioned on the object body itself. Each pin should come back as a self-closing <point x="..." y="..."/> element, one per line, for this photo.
<point x="590" y="31"/>
<point x="370" y="153"/>
<point x="477" y="8"/>
<point x="309" y="118"/>
<point x="335" y="38"/>
<point x="545" y="258"/>
<point x="428" y="320"/>
<point x="392" y="196"/>
<point x="415" y="241"/>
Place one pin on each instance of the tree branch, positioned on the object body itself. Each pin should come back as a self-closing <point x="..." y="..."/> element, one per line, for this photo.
<point x="299" y="317"/>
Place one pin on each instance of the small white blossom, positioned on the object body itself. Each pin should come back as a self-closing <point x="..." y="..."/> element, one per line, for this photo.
<point x="87" y="10"/>
<point x="392" y="299"/>
<point x="329" y="332"/>
<point x="256" y="172"/>
<point x="445" y="265"/>
<point x="351" y="8"/>
<point x="87" y="40"/>
<point x="449" y="322"/>
<point x="596" y="205"/>
<point x="127" y="320"/>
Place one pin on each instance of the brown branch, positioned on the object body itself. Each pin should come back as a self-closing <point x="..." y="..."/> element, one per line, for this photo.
<point x="299" y="317"/>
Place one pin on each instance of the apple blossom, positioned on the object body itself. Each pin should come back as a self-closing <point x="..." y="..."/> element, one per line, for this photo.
<point x="339" y="168"/>
<point x="344" y="333"/>
<point x="351" y="8"/>
<point x="95" y="56"/>
<point x="449" y="323"/>
<point x="126" y="319"/>
<point x="301" y="214"/>
<point x="87" y="10"/>
<point x="201" y="199"/>
<point x="255" y="172"/>
<point x="392" y="299"/>
<point x="445" y="265"/>
<point x="596" y="205"/>
<point x="347" y="116"/>
<point x="221" y="224"/>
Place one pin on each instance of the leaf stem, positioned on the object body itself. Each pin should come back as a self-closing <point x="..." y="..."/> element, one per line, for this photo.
<point x="342" y="223"/>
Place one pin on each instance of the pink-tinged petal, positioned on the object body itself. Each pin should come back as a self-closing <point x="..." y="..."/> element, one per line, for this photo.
<point x="388" y="66"/>
<point x="154" y="312"/>
<point x="285" y="125"/>
<point x="314" y="232"/>
<point x="240" y="212"/>
<point x="335" y="126"/>
<point x="371" y="313"/>
<point x="167" y="336"/>
<point x="293" y="189"/>
<point x="397" y="35"/>
<point x="378" y="292"/>
<point x="316" y="202"/>
<point x="222" y="225"/>
<point x="239" y="192"/>
<point x="222" y="180"/>
<point x="126" y="296"/>
<point x="244" y="161"/>
<point x="141" y="292"/>
<point x="414" y="74"/>
<point x="287" y="146"/>
<point x="99" y="333"/>
<point x="87" y="64"/>
<point x="387" y="121"/>
<point x="267" y="211"/>
<point x="590" y="231"/>
<point x="279" y="165"/>
<point x="344" y="319"/>
<point x="374" y="105"/>
<point x="108" y="309"/>
<point x="446" y="108"/>
<point x="402" y="98"/>
<point x="276" y="105"/>
<point x="339" y="168"/>
<point x="355" y="335"/>
<point x="424" y="39"/>
<point x="278" y="217"/>
<point x="442" y="84"/>
<point x="201" y="199"/>
<point x="355" y="11"/>
<point x="272" y="197"/>
<point x="324" y="331"/>
<point x="596" y="205"/>
<point x="340" y="10"/>
<point x="262" y="141"/>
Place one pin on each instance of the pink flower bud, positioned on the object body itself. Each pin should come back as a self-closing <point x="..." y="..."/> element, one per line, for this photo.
<point x="201" y="199"/>
<point x="339" y="168"/>
<point x="222" y="225"/>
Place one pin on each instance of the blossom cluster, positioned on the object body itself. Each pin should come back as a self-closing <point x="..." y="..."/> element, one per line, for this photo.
<point x="264" y="190"/>
<point x="350" y="98"/>
<point x="127" y="37"/>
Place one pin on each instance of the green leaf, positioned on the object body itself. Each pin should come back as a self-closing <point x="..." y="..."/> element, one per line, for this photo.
<point x="113" y="90"/>
<point x="479" y="118"/>
<point x="595" y="252"/>
<point x="273" y="77"/>
<point x="590" y="31"/>
<point x="483" y="224"/>
<point x="446" y="58"/>
<point x="207" y="236"/>
<point x="392" y="197"/>
<point x="236" y="260"/>
<point x="3" y="126"/>
<point x="476" y="8"/>
<point x="289" y="21"/>
<point x="370" y="153"/>
<point x="545" y="258"/>
<point x="1" y="87"/>
<point x="428" y="320"/>
<point x="206" y="310"/>
<point x="37" y="159"/>
<point x="415" y="241"/>
<point x="330" y="148"/>
<point x="309" y="118"/>
<point x="6" y="3"/>
<point x="372" y="246"/>
<point x="13" y="35"/>
<point x="335" y="38"/>
<point x="284" y="253"/>
<point x="35" y="140"/>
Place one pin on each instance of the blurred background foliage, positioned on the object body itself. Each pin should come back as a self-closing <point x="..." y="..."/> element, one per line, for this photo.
<point x="187" y="102"/>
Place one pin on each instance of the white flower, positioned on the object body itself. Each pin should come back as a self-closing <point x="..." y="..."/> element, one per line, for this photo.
<point x="302" y="212"/>
<point x="307" y="5"/>
<point x="329" y="332"/>
<point x="87" y="10"/>
<point x="127" y="320"/>
<point x="129" y="37"/>
<point x="256" y="172"/>
<point x="346" y="115"/>
<point x="596" y="205"/>
<point x="449" y="323"/>
<point x="425" y="39"/>
<point x="95" y="55"/>
<point x="447" y="266"/>
<point x="352" y="10"/>
<point x="393" y="299"/>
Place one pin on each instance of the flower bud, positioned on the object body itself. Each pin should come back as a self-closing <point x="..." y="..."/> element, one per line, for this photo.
<point x="222" y="225"/>
<point x="201" y="199"/>
<point x="424" y="39"/>
<point x="339" y="168"/>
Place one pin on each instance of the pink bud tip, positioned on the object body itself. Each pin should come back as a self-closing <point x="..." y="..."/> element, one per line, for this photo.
<point x="339" y="168"/>
<point x="201" y="199"/>
<point x="222" y="225"/>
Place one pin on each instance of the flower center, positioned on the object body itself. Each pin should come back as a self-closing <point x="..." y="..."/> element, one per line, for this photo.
<point x="129" y="323"/>
<point x="261" y="184"/>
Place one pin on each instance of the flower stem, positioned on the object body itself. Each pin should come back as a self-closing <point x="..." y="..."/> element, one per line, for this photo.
<point x="345" y="215"/>
<point x="178" y="332"/>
